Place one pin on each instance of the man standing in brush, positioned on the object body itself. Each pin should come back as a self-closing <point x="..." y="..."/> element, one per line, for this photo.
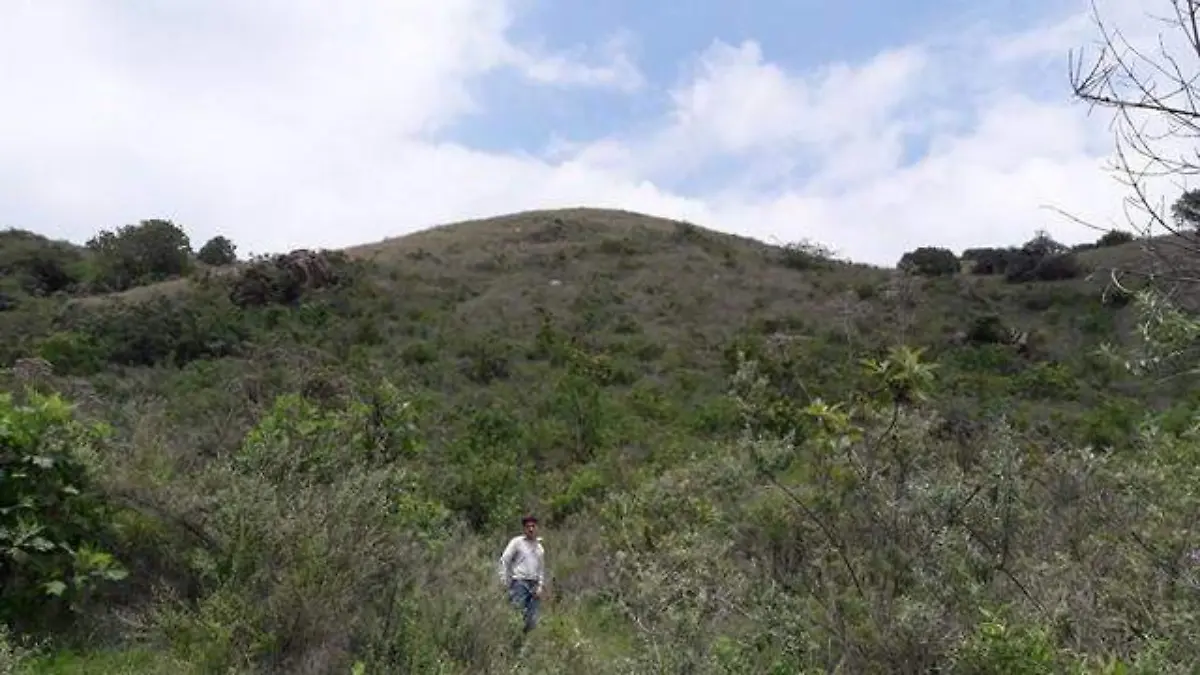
<point x="523" y="570"/>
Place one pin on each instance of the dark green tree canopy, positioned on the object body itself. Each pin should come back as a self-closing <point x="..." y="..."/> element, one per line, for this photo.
<point x="152" y="250"/>
<point x="218" y="251"/>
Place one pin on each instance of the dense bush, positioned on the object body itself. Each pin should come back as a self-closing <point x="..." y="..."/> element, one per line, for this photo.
<point x="152" y="250"/>
<point x="806" y="255"/>
<point x="53" y="522"/>
<point x="1114" y="238"/>
<point x="1186" y="209"/>
<point x="1023" y="267"/>
<point x="218" y="251"/>
<point x="39" y="266"/>
<point x="166" y="330"/>
<point x="930" y="261"/>
<point x="988" y="260"/>
<point x="1042" y="259"/>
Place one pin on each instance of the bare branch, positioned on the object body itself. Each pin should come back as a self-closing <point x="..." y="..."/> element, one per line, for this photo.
<point x="1153" y="91"/>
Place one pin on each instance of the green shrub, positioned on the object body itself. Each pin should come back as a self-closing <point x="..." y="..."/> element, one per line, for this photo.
<point x="39" y="266"/>
<point x="1114" y="238"/>
<point x="1026" y="267"/>
<point x="1042" y="259"/>
<point x="988" y="329"/>
<point x="1048" y="381"/>
<point x="996" y="648"/>
<point x="15" y="658"/>
<point x="930" y="261"/>
<point x="171" y="330"/>
<point x="53" y="520"/>
<point x="72" y="353"/>
<point x="133" y="255"/>
<point x="218" y="251"/>
<point x="987" y="261"/>
<point x="806" y="255"/>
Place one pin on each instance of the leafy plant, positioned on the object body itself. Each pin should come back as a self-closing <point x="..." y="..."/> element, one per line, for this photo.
<point x="53" y="521"/>
<point x="930" y="261"/>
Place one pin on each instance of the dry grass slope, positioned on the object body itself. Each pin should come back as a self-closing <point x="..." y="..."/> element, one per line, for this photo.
<point x="685" y="287"/>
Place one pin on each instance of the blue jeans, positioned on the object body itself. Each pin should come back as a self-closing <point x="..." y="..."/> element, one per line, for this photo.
<point x="520" y="592"/>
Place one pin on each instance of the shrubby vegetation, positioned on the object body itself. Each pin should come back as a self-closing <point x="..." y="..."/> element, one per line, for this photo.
<point x="34" y="265"/>
<point x="308" y="466"/>
<point x="307" y="462"/>
<point x="930" y="261"/>
<point x="218" y="251"/>
<point x="134" y="255"/>
<point x="1039" y="259"/>
<point x="54" y="523"/>
<point x="113" y="260"/>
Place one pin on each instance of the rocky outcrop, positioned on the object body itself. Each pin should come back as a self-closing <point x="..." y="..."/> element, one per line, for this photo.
<point x="283" y="278"/>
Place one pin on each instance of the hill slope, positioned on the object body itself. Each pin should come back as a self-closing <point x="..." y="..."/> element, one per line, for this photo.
<point x="311" y="471"/>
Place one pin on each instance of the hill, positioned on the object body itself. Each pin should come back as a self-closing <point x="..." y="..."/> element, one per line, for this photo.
<point x="746" y="457"/>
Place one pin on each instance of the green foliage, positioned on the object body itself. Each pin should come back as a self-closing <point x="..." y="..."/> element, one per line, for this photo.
<point x="806" y="255"/>
<point x="988" y="329"/>
<point x="1039" y="259"/>
<point x="38" y="266"/>
<point x="52" y="519"/>
<point x="1042" y="259"/>
<point x="1186" y="209"/>
<point x="883" y="471"/>
<point x="1048" y="381"/>
<point x="218" y="251"/>
<point x="1114" y="238"/>
<point x="72" y="352"/>
<point x="988" y="260"/>
<point x="298" y="441"/>
<point x="165" y="330"/>
<point x="15" y="657"/>
<point x="152" y="250"/>
<point x="930" y="261"/>
<point x="999" y="649"/>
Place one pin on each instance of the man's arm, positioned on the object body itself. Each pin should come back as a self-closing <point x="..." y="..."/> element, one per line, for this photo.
<point x="541" y="568"/>
<point x="505" y="561"/>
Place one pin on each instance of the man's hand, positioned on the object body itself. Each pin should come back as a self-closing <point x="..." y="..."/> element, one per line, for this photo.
<point x="537" y="592"/>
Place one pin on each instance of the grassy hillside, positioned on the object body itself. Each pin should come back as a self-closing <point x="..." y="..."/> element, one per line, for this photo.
<point x="747" y="458"/>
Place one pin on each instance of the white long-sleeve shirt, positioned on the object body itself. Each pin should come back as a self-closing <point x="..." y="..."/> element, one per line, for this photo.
<point x="523" y="559"/>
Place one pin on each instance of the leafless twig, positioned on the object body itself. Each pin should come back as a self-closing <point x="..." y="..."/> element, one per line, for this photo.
<point x="1155" y="99"/>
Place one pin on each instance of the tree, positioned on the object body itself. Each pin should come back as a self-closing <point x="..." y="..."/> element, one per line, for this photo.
<point x="1042" y="259"/>
<point x="930" y="261"/>
<point x="40" y="266"/>
<point x="988" y="260"/>
<point x="1150" y="85"/>
<point x="150" y="251"/>
<point x="218" y="251"/>
<point x="1114" y="238"/>
<point x="1186" y="210"/>
<point x="1043" y="245"/>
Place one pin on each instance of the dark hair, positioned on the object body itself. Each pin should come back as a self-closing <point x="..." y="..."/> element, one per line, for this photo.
<point x="528" y="519"/>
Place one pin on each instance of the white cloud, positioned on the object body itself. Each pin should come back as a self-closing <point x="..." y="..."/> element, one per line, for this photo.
<point x="274" y="121"/>
<point x="302" y="123"/>
<point x="998" y="155"/>
<point x="618" y="71"/>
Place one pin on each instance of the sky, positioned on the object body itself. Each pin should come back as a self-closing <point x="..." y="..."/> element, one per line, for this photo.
<point x="870" y="126"/>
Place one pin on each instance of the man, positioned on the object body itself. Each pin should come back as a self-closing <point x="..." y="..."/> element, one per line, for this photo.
<point x="523" y="570"/>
